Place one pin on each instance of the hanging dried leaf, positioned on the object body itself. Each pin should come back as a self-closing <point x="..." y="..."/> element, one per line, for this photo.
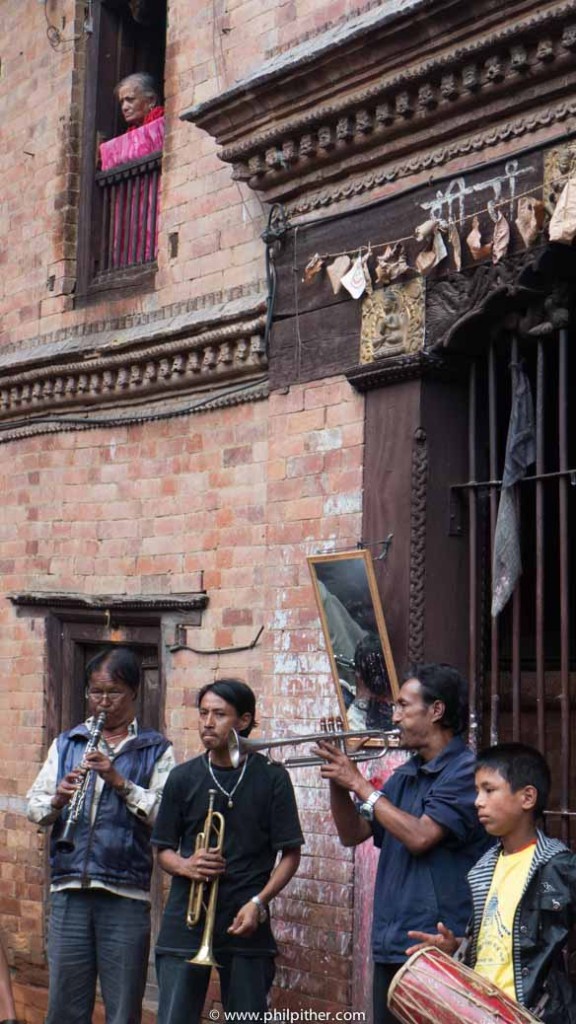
<point x="354" y="281"/>
<point x="439" y="247"/>
<point x="391" y="264"/>
<point x="425" y="261"/>
<point x="430" y="258"/>
<point x="474" y="242"/>
<point x="313" y="267"/>
<point x="336" y="272"/>
<point x="454" y="240"/>
<point x="530" y="219"/>
<point x="367" y="274"/>
<point x="500" y="239"/>
<point x="563" y="223"/>
<point x="425" y="230"/>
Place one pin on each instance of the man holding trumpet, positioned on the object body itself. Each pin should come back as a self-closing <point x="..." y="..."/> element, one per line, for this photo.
<point x="249" y="849"/>
<point x="99" y="789"/>
<point x="424" y="820"/>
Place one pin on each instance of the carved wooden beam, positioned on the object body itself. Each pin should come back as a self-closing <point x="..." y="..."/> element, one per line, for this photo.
<point x="161" y="361"/>
<point x="369" y="103"/>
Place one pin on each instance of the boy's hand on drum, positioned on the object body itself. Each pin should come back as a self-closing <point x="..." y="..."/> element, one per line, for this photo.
<point x="444" y="940"/>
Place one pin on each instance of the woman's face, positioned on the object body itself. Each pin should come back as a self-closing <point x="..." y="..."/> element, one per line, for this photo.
<point x="134" y="104"/>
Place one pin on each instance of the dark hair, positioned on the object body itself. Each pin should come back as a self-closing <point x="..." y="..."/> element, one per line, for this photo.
<point x="236" y="693"/>
<point x="444" y="683"/>
<point x="370" y="665"/>
<point x="520" y="765"/>
<point x="120" y="663"/>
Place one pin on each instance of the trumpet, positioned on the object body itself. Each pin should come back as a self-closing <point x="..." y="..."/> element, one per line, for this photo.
<point x="239" y="745"/>
<point x="210" y="838"/>
<point x="65" y="842"/>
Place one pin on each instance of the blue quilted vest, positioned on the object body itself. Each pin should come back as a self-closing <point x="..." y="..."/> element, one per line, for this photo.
<point x="115" y="849"/>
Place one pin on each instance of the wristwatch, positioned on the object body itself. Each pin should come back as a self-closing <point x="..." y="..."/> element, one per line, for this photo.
<point x="262" y="909"/>
<point x="366" y="809"/>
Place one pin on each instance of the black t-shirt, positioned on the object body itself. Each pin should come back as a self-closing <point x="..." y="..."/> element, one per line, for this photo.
<point x="262" y="821"/>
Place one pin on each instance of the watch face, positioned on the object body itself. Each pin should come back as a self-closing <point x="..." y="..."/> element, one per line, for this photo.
<point x="366" y="810"/>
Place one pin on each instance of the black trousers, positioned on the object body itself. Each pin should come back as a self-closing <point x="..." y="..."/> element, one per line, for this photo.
<point x="382" y="979"/>
<point x="244" y="985"/>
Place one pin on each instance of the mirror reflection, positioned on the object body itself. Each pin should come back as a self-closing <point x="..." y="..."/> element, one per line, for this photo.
<point x="356" y="638"/>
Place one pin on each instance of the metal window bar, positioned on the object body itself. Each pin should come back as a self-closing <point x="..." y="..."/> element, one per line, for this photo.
<point x="129" y="211"/>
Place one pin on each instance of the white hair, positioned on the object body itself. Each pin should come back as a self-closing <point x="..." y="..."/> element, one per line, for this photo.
<point x="143" y="81"/>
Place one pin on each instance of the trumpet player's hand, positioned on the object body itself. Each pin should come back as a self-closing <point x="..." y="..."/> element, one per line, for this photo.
<point x="444" y="940"/>
<point x="338" y="768"/>
<point x="66" y="788"/>
<point x="246" y="920"/>
<point x="204" y="865"/>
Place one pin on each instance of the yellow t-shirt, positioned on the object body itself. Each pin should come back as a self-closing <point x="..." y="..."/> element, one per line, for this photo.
<point x="494" y="956"/>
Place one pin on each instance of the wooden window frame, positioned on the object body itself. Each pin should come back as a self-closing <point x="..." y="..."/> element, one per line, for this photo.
<point x="107" y="59"/>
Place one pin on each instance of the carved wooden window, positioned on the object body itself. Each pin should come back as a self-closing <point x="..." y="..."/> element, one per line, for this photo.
<point x="118" y="223"/>
<point x="523" y="663"/>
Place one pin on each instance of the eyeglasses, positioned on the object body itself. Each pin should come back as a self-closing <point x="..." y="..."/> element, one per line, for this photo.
<point x="114" y="696"/>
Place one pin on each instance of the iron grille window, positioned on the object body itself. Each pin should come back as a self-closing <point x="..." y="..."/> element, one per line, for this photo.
<point x="522" y="664"/>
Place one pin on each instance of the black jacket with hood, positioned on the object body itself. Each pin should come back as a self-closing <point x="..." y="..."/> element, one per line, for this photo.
<point x="545" y="915"/>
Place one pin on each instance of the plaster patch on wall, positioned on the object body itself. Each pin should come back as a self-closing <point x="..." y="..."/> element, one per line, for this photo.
<point x="324" y="440"/>
<point x="343" y="504"/>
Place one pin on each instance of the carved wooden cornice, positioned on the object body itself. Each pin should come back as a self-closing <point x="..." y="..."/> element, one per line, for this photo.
<point x="195" y="601"/>
<point x="397" y="369"/>
<point x="493" y="72"/>
<point x="232" y="353"/>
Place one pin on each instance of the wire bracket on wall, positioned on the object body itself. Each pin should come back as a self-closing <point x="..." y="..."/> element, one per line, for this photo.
<point x="384" y="544"/>
<point x="55" y="36"/>
<point x="181" y="645"/>
<point x="273" y="238"/>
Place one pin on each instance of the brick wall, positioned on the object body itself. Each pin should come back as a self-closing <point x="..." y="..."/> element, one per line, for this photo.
<point x="242" y="495"/>
<point x="218" y="221"/>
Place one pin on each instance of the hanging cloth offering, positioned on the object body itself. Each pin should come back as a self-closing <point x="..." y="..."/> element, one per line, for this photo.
<point x="354" y="281"/>
<point x="520" y="453"/>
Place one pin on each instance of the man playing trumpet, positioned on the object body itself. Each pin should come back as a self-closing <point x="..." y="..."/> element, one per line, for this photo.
<point x="100" y="892"/>
<point x="253" y="854"/>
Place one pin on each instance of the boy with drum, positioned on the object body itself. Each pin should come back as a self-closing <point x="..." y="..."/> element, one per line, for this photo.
<point x="523" y="890"/>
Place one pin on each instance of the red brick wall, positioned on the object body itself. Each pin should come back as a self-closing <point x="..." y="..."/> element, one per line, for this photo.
<point x="242" y="495"/>
<point x="209" y="47"/>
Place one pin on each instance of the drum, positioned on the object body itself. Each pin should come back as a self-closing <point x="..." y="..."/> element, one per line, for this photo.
<point x="432" y="988"/>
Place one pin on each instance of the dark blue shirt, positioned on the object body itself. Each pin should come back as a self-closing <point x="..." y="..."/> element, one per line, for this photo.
<point x="416" y="892"/>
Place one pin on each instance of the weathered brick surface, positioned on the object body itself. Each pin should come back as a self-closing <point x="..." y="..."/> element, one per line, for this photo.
<point x="218" y="220"/>
<point x="241" y="496"/>
<point x="90" y="513"/>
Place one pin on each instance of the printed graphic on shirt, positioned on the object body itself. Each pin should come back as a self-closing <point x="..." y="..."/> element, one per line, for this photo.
<point x="494" y="956"/>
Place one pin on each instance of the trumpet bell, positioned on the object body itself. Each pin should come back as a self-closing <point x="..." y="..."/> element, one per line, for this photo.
<point x="239" y="745"/>
<point x="204" y="957"/>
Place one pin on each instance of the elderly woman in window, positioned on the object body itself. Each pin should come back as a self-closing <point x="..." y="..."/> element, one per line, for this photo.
<point x="138" y="98"/>
<point x="135" y="195"/>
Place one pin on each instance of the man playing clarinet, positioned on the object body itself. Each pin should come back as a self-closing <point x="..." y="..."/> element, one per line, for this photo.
<point x="99" y="789"/>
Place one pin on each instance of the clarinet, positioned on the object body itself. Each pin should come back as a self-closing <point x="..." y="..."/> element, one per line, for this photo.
<point x="65" y="842"/>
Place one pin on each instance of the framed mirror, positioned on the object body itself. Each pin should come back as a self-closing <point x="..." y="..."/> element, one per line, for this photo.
<point x="356" y="638"/>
